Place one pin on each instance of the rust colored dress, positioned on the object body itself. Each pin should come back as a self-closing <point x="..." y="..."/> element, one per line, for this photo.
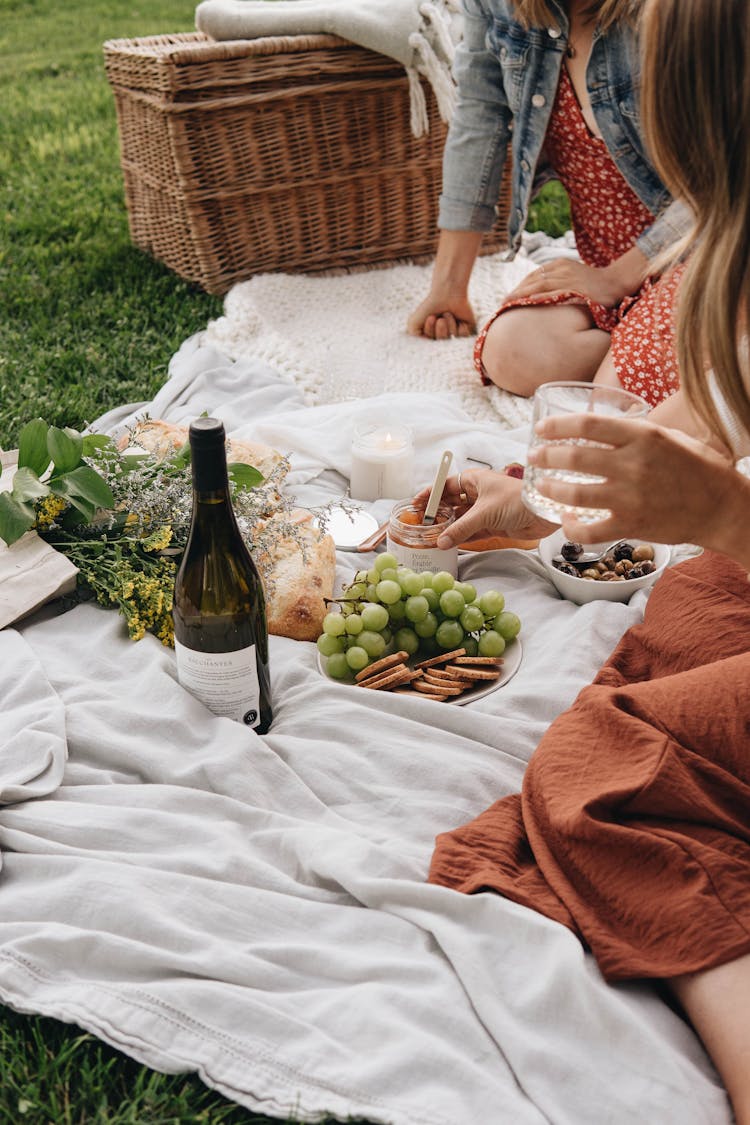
<point x="607" y="219"/>
<point x="633" y="825"/>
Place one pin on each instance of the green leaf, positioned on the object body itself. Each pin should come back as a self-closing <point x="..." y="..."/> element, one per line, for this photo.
<point x="32" y="447"/>
<point x="97" y="443"/>
<point x="87" y="510"/>
<point x="15" y="518"/>
<point x="65" y="448"/>
<point x="85" y="483"/>
<point x="28" y="487"/>
<point x="244" y="476"/>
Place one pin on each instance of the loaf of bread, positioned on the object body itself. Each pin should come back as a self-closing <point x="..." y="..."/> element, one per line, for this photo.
<point x="297" y="582"/>
<point x="162" y="438"/>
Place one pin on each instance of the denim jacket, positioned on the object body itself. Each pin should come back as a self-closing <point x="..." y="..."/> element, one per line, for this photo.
<point x="507" y="78"/>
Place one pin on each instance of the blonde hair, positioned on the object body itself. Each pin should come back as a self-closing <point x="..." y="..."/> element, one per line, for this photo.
<point x="540" y="13"/>
<point x="696" y="116"/>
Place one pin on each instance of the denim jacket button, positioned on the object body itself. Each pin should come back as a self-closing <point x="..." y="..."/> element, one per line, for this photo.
<point x="554" y="32"/>
<point x="538" y="100"/>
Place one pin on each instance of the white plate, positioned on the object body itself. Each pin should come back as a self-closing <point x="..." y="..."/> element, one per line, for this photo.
<point x="511" y="661"/>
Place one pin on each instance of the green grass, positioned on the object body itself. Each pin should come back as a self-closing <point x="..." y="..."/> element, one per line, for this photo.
<point x="88" y="323"/>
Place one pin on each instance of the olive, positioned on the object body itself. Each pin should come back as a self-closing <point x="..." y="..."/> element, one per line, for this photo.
<point x="570" y="551"/>
<point x="644" y="552"/>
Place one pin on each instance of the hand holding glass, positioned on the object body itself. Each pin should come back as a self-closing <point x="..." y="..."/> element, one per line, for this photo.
<point x="552" y="399"/>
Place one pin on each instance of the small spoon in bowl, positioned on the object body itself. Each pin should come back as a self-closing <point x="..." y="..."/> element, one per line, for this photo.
<point x="587" y="558"/>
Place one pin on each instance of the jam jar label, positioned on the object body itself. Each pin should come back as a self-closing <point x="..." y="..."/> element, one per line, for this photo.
<point x="425" y="558"/>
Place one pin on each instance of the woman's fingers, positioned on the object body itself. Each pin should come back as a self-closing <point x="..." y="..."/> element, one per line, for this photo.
<point x="591" y="427"/>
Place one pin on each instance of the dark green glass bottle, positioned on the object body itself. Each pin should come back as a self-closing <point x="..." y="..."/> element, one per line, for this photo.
<point x="221" y="636"/>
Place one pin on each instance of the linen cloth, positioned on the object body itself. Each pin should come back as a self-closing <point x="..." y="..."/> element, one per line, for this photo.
<point x="420" y="34"/>
<point x="256" y="910"/>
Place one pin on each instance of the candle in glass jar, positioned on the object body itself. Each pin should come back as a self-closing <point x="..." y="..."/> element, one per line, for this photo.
<point x="382" y="461"/>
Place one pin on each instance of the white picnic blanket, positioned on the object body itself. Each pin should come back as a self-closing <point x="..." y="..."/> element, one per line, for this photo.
<point x="254" y="909"/>
<point x="344" y="337"/>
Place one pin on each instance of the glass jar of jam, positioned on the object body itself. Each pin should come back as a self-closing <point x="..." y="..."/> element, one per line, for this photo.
<point x="414" y="543"/>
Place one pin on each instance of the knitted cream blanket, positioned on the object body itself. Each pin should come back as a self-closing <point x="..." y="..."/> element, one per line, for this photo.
<point x="420" y="34"/>
<point x="344" y="337"/>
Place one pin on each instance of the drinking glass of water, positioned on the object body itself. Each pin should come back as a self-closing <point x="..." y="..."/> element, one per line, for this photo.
<point x="573" y="398"/>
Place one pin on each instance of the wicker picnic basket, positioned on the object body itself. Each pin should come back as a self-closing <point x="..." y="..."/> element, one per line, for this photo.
<point x="290" y="153"/>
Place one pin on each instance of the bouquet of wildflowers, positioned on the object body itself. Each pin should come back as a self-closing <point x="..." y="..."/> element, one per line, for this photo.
<point x="123" y="517"/>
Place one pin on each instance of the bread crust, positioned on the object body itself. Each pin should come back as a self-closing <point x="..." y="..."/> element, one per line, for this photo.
<point x="162" y="438"/>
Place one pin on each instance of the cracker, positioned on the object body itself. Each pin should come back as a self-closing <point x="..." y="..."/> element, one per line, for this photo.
<point x="443" y="659"/>
<point x="460" y="670"/>
<point x="391" y="677"/>
<point x="379" y="666"/>
<point x="447" y="681"/>
<point x="442" y="674"/>
<point x="437" y="689"/>
<point x="490" y="661"/>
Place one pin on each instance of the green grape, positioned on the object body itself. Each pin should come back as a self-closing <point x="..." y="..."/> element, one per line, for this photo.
<point x="334" y="624"/>
<point x="410" y="583"/>
<point x="397" y="611"/>
<point x="356" y="591"/>
<point x="357" y="658"/>
<point x="416" y="608"/>
<point x="427" y="577"/>
<point x="472" y="618"/>
<point x="337" y="667"/>
<point x="374" y="617"/>
<point x="328" y="645"/>
<point x="449" y="634"/>
<point x="491" y="644"/>
<point x="354" y="624"/>
<point x="471" y="645"/>
<point x="372" y="643"/>
<point x="387" y="635"/>
<point x="491" y="603"/>
<point x="388" y="591"/>
<point x="390" y="574"/>
<point x="372" y="593"/>
<point x="443" y="581"/>
<point x="406" y="641"/>
<point x="452" y="603"/>
<point x="507" y="624"/>
<point x="469" y="592"/>
<point x="427" y="627"/>
<point x="360" y="576"/>
<point x="384" y="561"/>
<point x="373" y="576"/>
<point x="432" y="597"/>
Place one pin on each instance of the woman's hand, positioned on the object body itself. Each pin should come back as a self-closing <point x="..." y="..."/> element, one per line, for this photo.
<point x="442" y="315"/>
<point x="659" y="483"/>
<point x="607" y="286"/>
<point x="487" y="503"/>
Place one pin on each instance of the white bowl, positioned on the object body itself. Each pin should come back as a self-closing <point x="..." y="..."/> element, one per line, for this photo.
<point x="583" y="590"/>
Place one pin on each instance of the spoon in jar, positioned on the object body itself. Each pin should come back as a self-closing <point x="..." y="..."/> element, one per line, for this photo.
<point x="436" y="493"/>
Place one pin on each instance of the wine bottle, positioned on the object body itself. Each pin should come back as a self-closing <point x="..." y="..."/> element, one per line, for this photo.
<point x="221" y="636"/>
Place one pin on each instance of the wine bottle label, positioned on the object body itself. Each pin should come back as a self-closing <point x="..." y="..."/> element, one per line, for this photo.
<point x="225" y="682"/>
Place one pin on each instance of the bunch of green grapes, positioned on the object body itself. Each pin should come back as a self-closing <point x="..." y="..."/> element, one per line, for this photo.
<point x="422" y="614"/>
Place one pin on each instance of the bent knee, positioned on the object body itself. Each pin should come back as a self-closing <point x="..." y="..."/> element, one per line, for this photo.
<point x="509" y="357"/>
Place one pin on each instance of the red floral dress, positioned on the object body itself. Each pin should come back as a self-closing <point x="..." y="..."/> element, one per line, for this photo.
<point x="607" y="219"/>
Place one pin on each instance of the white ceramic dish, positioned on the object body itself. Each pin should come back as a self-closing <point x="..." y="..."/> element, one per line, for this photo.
<point x="583" y="590"/>
<point x="511" y="661"/>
